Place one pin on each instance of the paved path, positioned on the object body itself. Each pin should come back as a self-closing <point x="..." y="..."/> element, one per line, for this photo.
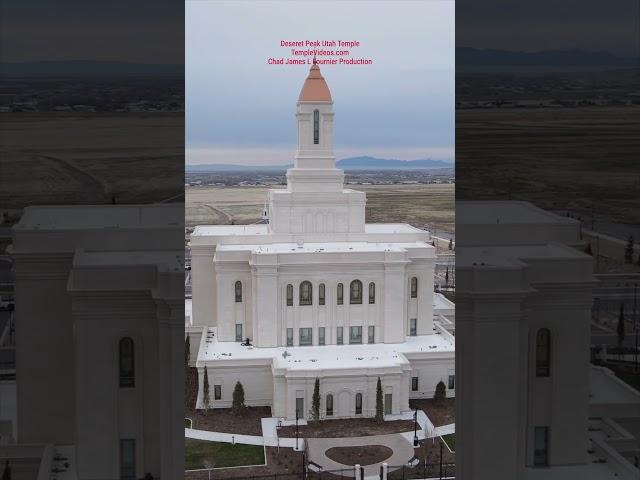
<point x="317" y="448"/>
<point x="237" y="438"/>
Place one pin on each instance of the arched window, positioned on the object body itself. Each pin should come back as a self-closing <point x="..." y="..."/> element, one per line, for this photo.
<point x="356" y="292"/>
<point x="127" y="363"/>
<point x="316" y="127"/>
<point x="329" y="405"/>
<point x="372" y="292"/>
<point x="306" y="293"/>
<point x="289" y="295"/>
<point x="543" y="353"/>
<point x="358" y="403"/>
<point x="321" y="294"/>
<point x="414" y="287"/>
<point x="340" y="294"/>
<point x="238" y="291"/>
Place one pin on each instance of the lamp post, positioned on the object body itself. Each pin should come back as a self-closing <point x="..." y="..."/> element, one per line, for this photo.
<point x="297" y="429"/>
<point x="635" y="322"/>
<point x="441" y="459"/>
<point x="415" y="428"/>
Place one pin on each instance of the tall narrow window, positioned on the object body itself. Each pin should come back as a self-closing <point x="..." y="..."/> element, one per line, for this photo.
<point x="355" y="335"/>
<point x="414" y="384"/>
<point x="339" y="336"/>
<point x="414" y="287"/>
<point x="316" y="127"/>
<point x="452" y="382"/>
<point x="356" y="292"/>
<point x="306" y="337"/>
<point x="541" y="447"/>
<point x="306" y="293"/>
<point x="543" y="353"/>
<point x="321" y="336"/>
<point x="413" y="327"/>
<point x="321" y="294"/>
<point x="372" y="292"/>
<point x="329" y="405"/>
<point x="217" y="392"/>
<point x="289" y="337"/>
<point x="371" y="334"/>
<point x="127" y="459"/>
<point x="127" y="363"/>
<point x="238" y="291"/>
<point x="358" y="404"/>
<point x="289" y="295"/>
<point x="340" y="294"/>
<point x="238" y="332"/>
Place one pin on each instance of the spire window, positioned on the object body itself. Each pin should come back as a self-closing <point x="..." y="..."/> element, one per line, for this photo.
<point x="316" y="127"/>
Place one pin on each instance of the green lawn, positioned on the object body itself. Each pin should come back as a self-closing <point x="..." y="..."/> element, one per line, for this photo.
<point x="201" y="454"/>
<point x="450" y="440"/>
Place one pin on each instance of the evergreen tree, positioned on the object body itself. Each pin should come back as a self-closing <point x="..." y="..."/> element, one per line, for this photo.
<point x="621" y="327"/>
<point x="238" y="398"/>
<point x="451" y="244"/>
<point x="379" y="402"/>
<point x="628" y="251"/>
<point x="187" y="351"/>
<point x="588" y="250"/>
<point x="206" y="399"/>
<point x="315" y="401"/>
<point x="446" y="277"/>
<point x="6" y="474"/>
<point x="441" y="393"/>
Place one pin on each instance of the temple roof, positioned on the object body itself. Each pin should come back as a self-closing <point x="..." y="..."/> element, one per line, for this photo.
<point x="315" y="88"/>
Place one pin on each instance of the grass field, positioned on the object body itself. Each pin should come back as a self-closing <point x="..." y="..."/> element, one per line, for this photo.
<point x="560" y="159"/>
<point x="200" y="454"/>
<point x="419" y="205"/>
<point x="67" y="158"/>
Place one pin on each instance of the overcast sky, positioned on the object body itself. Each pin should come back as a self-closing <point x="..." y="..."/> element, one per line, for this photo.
<point x="241" y="110"/>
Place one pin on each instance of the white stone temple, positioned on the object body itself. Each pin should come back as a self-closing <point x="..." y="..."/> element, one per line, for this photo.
<point x="318" y="293"/>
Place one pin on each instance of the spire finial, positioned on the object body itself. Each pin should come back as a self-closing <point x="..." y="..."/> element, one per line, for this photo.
<point x="315" y="62"/>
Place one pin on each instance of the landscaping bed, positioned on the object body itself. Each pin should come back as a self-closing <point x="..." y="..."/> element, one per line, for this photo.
<point x="439" y="413"/>
<point x="363" y="455"/>
<point x="346" y="427"/>
<point x="200" y="454"/>
<point x="226" y="420"/>
<point x="286" y="464"/>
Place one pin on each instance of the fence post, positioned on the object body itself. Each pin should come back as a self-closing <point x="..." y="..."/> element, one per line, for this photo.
<point x="385" y="470"/>
<point x="356" y="472"/>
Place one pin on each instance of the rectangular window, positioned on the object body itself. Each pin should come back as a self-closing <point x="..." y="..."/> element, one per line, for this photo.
<point x="306" y="336"/>
<point x="316" y="127"/>
<point x="238" y="332"/>
<point x="321" y="339"/>
<point x="217" y="392"/>
<point x="340" y="294"/>
<point x="413" y="327"/>
<point x="127" y="459"/>
<point x="289" y="337"/>
<point x="289" y="295"/>
<point x="541" y="447"/>
<point x="372" y="334"/>
<point x="355" y="335"/>
<point x="339" y="340"/>
<point x="414" y="384"/>
<point x="321" y="294"/>
<point x="452" y="382"/>
<point x="372" y="293"/>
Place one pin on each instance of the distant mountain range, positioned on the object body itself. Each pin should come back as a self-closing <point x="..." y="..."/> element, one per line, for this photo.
<point x="354" y="163"/>
<point x="88" y="68"/>
<point x="475" y="57"/>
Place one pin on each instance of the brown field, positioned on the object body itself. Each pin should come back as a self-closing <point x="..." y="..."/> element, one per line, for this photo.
<point x="419" y="205"/>
<point x="62" y="158"/>
<point x="558" y="158"/>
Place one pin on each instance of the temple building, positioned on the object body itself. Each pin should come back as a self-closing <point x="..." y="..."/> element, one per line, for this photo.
<point x="318" y="293"/>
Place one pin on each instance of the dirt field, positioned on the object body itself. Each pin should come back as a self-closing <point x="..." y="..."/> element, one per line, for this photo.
<point x="55" y="158"/>
<point x="418" y="205"/>
<point x="571" y="159"/>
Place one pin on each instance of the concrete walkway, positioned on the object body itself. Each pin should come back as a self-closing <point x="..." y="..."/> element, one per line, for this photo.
<point x="317" y="448"/>
<point x="237" y="438"/>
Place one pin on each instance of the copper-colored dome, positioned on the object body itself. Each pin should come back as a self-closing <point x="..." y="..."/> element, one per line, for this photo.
<point x="315" y="89"/>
